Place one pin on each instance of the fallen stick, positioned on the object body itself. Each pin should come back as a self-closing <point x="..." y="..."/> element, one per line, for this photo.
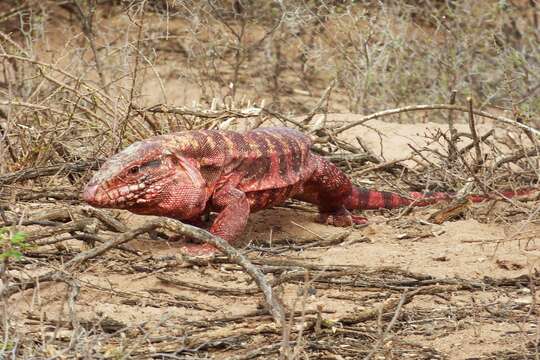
<point x="390" y="305"/>
<point x="75" y="225"/>
<point x="207" y="288"/>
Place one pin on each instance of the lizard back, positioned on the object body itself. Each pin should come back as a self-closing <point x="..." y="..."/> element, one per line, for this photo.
<point x="261" y="159"/>
<point x="281" y="157"/>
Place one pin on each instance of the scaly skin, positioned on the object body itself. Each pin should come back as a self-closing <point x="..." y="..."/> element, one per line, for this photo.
<point x="188" y="174"/>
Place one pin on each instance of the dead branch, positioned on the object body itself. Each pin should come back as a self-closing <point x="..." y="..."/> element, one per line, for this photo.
<point x="76" y="225"/>
<point x="56" y="169"/>
<point x="391" y="304"/>
<point x="389" y="327"/>
<point x="452" y="129"/>
<point x="518" y="155"/>
<point x="324" y="98"/>
<point x="206" y="114"/>
<point x="36" y="195"/>
<point x="106" y="219"/>
<point x="473" y="144"/>
<point x="384" y="166"/>
<point x="435" y="107"/>
<point x="207" y="288"/>
<point x="476" y="141"/>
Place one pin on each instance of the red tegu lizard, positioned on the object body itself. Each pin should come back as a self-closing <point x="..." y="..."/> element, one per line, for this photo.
<point x="187" y="174"/>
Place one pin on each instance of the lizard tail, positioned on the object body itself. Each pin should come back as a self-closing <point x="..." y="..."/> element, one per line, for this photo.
<point x="363" y="199"/>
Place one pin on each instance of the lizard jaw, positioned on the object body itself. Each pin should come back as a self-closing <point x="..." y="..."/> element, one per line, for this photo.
<point x="89" y="194"/>
<point x="124" y="197"/>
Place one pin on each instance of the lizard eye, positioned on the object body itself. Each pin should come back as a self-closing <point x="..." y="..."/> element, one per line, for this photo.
<point x="151" y="164"/>
<point x="134" y="170"/>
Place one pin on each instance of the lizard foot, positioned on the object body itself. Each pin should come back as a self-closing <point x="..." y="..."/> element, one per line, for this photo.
<point x="193" y="249"/>
<point x="359" y="220"/>
<point x="341" y="218"/>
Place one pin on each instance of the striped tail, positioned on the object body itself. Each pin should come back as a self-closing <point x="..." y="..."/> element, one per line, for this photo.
<point x="363" y="199"/>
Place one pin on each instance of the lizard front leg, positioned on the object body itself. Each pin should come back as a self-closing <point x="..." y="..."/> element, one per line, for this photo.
<point x="233" y="207"/>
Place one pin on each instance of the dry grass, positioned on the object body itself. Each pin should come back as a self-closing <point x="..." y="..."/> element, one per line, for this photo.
<point x="80" y="80"/>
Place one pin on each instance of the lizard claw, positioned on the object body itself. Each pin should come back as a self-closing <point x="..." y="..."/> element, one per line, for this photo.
<point x="341" y="219"/>
<point x="359" y="220"/>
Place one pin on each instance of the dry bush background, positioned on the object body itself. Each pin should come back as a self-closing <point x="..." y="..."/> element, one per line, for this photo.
<point x="80" y="80"/>
<point x="75" y="70"/>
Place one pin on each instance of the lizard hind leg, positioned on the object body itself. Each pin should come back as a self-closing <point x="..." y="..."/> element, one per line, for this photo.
<point x="330" y="189"/>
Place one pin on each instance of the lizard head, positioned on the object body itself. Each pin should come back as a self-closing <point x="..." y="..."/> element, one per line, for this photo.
<point x="149" y="178"/>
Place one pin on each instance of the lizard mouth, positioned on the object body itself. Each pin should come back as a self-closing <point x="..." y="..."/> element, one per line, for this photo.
<point x="121" y="198"/>
<point x="90" y="194"/>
